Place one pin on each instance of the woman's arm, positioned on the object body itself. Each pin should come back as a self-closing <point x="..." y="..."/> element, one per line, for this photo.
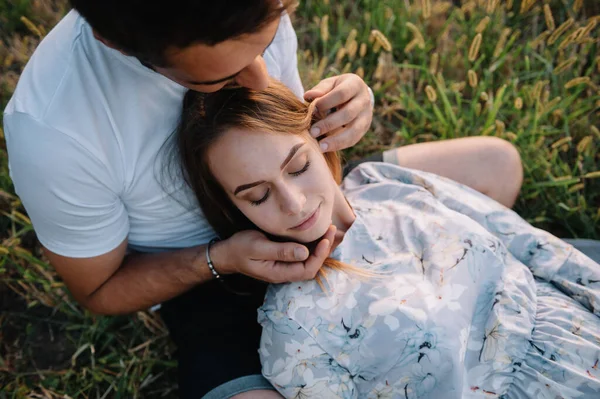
<point x="547" y="256"/>
<point x="295" y="363"/>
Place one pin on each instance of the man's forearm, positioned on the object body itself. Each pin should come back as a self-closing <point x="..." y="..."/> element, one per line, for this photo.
<point x="144" y="280"/>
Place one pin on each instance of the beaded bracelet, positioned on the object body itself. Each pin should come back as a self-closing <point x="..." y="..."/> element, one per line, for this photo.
<point x="209" y="261"/>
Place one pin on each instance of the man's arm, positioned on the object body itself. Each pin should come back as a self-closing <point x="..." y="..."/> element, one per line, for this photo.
<point x="114" y="283"/>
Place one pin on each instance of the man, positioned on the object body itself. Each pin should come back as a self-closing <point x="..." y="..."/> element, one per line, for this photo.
<point x="85" y="129"/>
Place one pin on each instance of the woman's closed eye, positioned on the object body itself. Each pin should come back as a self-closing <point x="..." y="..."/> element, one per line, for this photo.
<point x="263" y="199"/>
<point x="266" y="196"/>
<point x="304" y="169"/>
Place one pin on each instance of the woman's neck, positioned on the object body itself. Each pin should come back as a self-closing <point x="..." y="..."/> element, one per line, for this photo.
<point x="343" y="216"/>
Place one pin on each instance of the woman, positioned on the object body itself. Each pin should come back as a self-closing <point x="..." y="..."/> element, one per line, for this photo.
<point x="433" y="290"/>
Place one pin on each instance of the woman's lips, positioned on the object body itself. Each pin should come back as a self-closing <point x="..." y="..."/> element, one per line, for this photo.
<point x="309" y="222"/>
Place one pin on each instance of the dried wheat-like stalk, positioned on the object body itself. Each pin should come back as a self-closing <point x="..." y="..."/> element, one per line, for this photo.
<point x="351" y="37"/>
<point x="417" y="34"/>
<point x="500" y="127"/>
<point x="577" y="81"/>
<point x="352" y="49"/>
<point x="563" y="66"/>
<point x="492" y="5"/>
<point x="473" y="79"/>
<point x="501" y="42"/>
<point x="360" y="72"/>
<point x="433" y="63"/>
<point x="549" y="17"/>
<point x="363" y="50"/>
<point x="475" y="45"/>
<point x="31" y="26"/>
<point x="540" y="39"/>
<point x="482" y="25"/>
<point x="341" y="53"/>
<point x="325" y="28"/>
<point x="560" y="30"/>
<point x="382" y="40"/>
<point x="584" y="143"/>
<point x="519" y="103"/>
<point x="431" y="94"/>
<point x="426" y="7"/>
<point x="560" y="142"/>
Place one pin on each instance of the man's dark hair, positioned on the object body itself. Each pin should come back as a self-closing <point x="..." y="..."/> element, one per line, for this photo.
<point x="146" y="29"/>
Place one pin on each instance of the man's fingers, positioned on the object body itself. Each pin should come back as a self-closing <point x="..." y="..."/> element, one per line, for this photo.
<point x="347" y="136"/>
<point x="280" y="251"/>
<point x="339" y="118"/>
<point x="339" y="95"/>
<point x="322" y="88"/>
<point x="322" y="251"/>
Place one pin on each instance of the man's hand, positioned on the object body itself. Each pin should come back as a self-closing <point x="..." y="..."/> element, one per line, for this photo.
<point x="253" y="254"/>
<point x="350" y="97"/>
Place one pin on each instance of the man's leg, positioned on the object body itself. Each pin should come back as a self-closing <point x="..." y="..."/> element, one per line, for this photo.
<point x="258" y="395"/>
<point x="490" y="165"/>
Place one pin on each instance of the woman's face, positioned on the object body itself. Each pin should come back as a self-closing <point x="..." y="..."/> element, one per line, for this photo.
<point x="281" y="182"/>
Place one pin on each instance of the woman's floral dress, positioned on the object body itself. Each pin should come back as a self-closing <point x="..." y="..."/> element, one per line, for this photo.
<point x="468" y="301"/>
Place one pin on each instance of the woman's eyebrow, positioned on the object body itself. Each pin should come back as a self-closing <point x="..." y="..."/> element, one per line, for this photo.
<point x="293" y="152"/>
<point x="287" y="160"/>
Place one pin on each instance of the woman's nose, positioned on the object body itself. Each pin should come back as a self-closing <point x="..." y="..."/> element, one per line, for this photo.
<point x="292" y="201"/>
<point x="255" y="75"/>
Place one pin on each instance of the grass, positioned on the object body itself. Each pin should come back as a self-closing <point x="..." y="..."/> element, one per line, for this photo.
<point x="528" y="79"/>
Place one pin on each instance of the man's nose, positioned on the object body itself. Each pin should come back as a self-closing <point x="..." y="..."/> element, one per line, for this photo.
<point x="255" y="75"/>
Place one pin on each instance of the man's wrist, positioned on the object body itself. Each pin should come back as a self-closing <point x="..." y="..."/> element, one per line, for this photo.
<point x="218" y="255"/>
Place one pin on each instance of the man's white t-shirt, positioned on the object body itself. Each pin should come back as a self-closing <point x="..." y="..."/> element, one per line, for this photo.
<point x="85" y="130"/>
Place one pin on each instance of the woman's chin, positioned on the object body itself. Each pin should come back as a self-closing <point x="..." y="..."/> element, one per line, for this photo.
<point x="311" y="235"/>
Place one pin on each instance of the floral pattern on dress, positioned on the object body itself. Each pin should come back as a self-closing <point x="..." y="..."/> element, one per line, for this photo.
<point x="468" y="301"/>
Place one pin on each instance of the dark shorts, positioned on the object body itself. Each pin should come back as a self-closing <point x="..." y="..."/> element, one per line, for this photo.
<point x="217" y="335"/>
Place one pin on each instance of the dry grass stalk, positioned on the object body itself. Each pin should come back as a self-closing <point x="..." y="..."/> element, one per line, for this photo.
<point x="382" y="40"/>
<point x="431" y="93"/>
<point x="563" y="66"/>
<point x="540" y="39"/>
<point x="473" y="79"/>
<point x="360" y="72"/>
<point x="519" y="103"/>
<point x="363" y="50"/>
<point x="560" y="142"/>
<point x="482" y="25"/>
<point x="31" y="26"/>
<point x="426" y="7"/>
<point x="475" y="45"/>
<point x="325" y="28"/>
<point x="351" y="49"/>
<point x="584" y="144"/>
<point x="501" y="42"/>
<point x="560" y="30"/>
<point x="549" y="17"/>
<point x="433" y="63"/>
<point x="577" y="81"/>
<point x="417" y="34"/>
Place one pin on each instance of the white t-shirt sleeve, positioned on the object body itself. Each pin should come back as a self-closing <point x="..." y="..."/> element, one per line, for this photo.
<point x="68" y="193"/>
<point x="289" y="70"/>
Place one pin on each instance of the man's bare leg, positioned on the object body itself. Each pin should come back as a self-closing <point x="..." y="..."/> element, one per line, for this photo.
<point x="490" y="165"/>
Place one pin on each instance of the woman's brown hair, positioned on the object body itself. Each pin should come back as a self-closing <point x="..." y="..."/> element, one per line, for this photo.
<point x="206" y="117"/>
